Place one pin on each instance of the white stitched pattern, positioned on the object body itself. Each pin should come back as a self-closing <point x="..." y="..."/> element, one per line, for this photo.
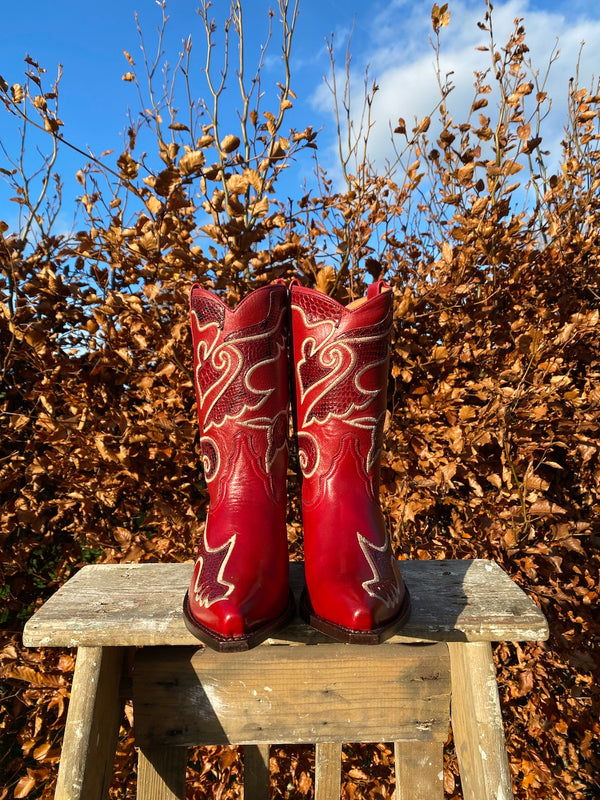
<point x="374" y="426"/>
<point x="225" y="374"/>
<point x="211" y="458"/>
<point x="276" y="429"/>
<point x="309" y="453"/>
<point x="208" y="588"/>
<point x="388" y="591"/>
<point x="334" y="363"/>
<point x="227" y="361"/>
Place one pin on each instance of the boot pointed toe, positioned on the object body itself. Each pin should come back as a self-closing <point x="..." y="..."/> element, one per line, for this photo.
<point x="234" y="628"/>
<point x="354" y="621"/>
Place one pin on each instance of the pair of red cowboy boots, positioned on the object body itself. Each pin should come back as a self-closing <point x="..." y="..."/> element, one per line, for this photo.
<point x="239" y="593"/>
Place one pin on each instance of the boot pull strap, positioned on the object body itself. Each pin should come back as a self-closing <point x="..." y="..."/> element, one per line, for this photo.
<point x="375" y="288"/>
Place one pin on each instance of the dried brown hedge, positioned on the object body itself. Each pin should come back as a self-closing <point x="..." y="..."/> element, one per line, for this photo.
<point x="492" y="446"/>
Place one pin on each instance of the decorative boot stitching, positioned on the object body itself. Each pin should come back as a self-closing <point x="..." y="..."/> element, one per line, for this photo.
<point x="210" y="586"/>
<point x="379" y="559"/>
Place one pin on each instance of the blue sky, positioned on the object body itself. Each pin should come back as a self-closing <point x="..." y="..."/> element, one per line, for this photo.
<point x="88" y="39"/>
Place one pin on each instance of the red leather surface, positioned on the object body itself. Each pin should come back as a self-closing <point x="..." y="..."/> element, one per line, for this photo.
<point x="240" y="578"/>
<point x="341" y="359"/>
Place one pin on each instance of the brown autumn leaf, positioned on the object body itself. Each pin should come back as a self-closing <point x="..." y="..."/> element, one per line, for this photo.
<point x="25" y="785"/>
<point x="545" y="507"/>
<point x="128" y="167"/>
<point x="326" y="279"/>
<point x="36" y="339"/>
<point x="423" y="125"/>
<point x="17" y="93"/>
<point x="260" y="208"/>
<point x="440" y="16"/>
<point x="305" y="783"/>
<point x="30" y="675"/>
<point x="191" y="162"/>
<point x="238" y="184"/>
<point x="524" y="131"/>
<point x="465" y="173"/>
<point x="165" y="181"/>
<point x="229" y="143"/>
<point x="358" y="774"/>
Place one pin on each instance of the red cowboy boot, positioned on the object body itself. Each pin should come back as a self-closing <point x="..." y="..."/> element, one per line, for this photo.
<point x="354" y="590"/>
<point x="239" y="592"/>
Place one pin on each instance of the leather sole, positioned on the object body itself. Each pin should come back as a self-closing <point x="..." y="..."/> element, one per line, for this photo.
<point x="225" y="644"/>
<point x="350" y="635"/>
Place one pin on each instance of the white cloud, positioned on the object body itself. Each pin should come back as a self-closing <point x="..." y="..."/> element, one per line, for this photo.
<point x="402" y="61"/>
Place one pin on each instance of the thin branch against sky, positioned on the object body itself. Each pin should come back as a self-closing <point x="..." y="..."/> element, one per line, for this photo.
<point x="391" y="38"/>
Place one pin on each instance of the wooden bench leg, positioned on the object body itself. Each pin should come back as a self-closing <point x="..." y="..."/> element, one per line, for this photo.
<point x="256" y="772"/>
<point x="477" y="723"/>
<point x="419" y="770"/>
<point x="328" y="770"/>
<point x="88" y="753"/>
<point x="161" y="773"/>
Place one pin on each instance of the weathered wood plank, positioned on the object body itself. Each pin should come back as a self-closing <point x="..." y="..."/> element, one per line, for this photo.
<point x="256" y="772"/>
<point x="328" y="770"/>
<point x="477" y="723"/>
<point x="88" y="753"/>
<point x="161" y="773"/>
<point x="328" y="693"/>
<point x="140" y="604"/>
<point x="419" y="770"/>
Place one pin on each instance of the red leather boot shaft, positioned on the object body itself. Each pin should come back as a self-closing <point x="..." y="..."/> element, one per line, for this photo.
<point x="240" y="588"/>
<point x="341" y="359"/>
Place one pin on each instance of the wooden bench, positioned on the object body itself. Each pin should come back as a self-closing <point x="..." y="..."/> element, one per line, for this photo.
<point x="298" y="688"/>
